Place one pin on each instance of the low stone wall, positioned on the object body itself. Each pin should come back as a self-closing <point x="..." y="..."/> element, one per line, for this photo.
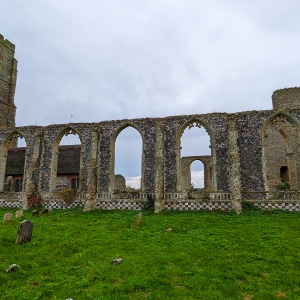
<point x="12" y="200"/>
<point x="287" y="205"/>
<point x="108" y="201"/>
<point x="198" y="205"/>
<point x="120" y="204"/>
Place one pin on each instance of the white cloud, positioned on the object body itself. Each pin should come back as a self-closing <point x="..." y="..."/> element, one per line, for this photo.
<point x="133" y="182"/>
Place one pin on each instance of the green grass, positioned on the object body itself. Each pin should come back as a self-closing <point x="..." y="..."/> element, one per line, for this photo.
<point x="207" y="255"/>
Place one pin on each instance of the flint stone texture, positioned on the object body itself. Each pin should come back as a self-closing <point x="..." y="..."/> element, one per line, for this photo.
<point x="252" y="153"/>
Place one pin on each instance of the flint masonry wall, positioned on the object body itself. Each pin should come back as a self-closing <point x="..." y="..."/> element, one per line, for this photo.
<point x="97" y="153"/>
<point x="241" y="164"/>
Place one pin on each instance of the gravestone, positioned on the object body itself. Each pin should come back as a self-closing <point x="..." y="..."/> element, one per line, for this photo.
<point x="12" y="268"/>
<point x="24" y="232"/>
<point x="7" y="217"/>
<point x="45" y="211"/>
<point x="19" y="214"/>
<point x="139" y="219"/>
<point x="35" y="213"/>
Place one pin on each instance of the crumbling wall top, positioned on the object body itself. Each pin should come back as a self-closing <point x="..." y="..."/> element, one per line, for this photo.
<point x="7" y="43"/>
<point x="285" y="99"/>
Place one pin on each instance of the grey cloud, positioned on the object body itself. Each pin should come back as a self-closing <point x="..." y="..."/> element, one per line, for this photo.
<point x="100" y="60"/>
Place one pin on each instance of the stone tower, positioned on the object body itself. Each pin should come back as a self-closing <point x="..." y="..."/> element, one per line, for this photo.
<point x="8" y="77"/>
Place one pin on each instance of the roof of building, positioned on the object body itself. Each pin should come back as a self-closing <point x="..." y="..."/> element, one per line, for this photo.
<point x="68" y="160"/>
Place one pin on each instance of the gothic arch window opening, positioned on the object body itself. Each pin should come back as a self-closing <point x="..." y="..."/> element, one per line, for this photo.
<point x="15" y="149"/>
<point x="195" y="145"/>
<point x="68" y="166"/>
<point x="128" y="160"/>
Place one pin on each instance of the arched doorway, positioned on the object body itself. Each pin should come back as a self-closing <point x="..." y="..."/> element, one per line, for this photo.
<point x="128" y="160"/>
<point x="280" y="142"/>
<point x="66" y="163"/>
<point x="13" y="161"/>
<point x="195" y="144"/>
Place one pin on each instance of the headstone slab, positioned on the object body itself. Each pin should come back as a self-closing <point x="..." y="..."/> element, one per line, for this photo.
<point x="24" y="232"/>
<point x="19" y="214"/>
<point x="7" y="217"/>
<point x="45" y="211"/>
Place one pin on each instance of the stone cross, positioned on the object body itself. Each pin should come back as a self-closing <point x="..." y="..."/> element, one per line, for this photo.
<point x="24" y="232"/>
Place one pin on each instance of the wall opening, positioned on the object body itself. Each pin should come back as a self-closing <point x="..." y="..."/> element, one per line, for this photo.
<point x="280" y="138"/>
<point x="68" y="161"/>
<point x="195" y="167"/>
<point x="284" y="174"/>
<point x="197" y="174"/>
<point x="128" y="160"/>
<point x="15" y="164"/>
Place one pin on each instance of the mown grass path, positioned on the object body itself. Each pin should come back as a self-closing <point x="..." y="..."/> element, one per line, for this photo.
<point x="207" y="255"/>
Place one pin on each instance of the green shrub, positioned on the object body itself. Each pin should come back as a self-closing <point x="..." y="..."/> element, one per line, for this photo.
<point x="68" y="196"/>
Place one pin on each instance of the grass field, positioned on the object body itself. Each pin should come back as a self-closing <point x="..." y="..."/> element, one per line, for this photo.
<point x="207" y="255"/>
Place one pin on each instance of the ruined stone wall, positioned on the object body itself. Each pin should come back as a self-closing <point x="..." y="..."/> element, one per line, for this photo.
<point x="286" y="99"/>
<point x="186" y="171"/>
<point x="236" y="143"/>
<point x="250" y="149"/>
<point x="108" y="134"/>
<point x="241" y="157"/>
<point x="281" y="149"/>
<point x="215" y="125"/>
<point x="97" y="151"/>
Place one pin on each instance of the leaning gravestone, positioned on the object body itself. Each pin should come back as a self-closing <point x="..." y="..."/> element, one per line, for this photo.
<point x="19" y="214"/>
<point x="24" y="232"/>
<point x="7" y="217"/>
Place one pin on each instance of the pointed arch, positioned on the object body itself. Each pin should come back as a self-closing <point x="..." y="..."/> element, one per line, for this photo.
<point x="196" y="122"/>
<point x="55" y="154"/>
<point x="113" y="152"/>
<point x="11" y="142"/>
<point x="280" y="137"/>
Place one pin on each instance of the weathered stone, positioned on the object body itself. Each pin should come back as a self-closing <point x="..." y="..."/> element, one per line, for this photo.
<point x="8" y="217"/>
<point x="252" y="153"/>
<point x="116" y="261"/>
<point x="12" y="268"/>
<point x="19" y="214"/>
<point x="35" y="213"/>
<point x="24" y="232"/>
<point x="139" y="219"/>
<point x="120" y="183"/>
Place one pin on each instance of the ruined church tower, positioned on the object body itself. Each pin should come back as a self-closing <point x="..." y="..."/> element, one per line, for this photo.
<point x="8" y="77"/>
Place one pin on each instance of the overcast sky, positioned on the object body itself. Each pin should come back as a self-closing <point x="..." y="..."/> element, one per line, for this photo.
<point x="94" y="60"/>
